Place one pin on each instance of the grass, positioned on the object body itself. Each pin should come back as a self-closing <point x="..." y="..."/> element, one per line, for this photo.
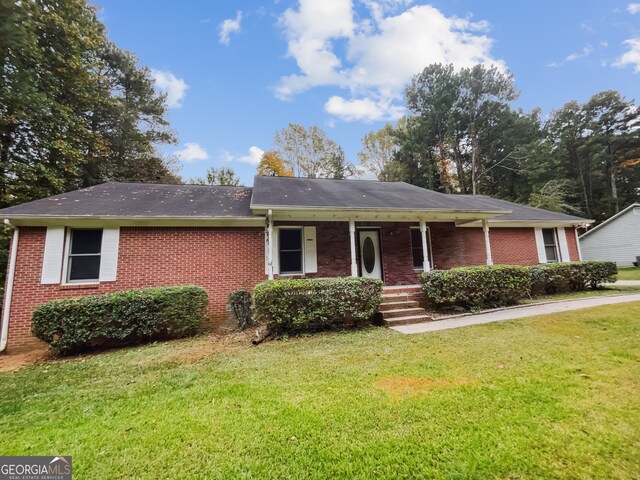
<point x="610" y="290"/>
<point x="628" y="273"/>
<point x="544" y="397"/>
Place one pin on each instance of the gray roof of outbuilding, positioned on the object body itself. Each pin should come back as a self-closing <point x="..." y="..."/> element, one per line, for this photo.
<point x="354" y="194"/>
<point x="142" y="200"/>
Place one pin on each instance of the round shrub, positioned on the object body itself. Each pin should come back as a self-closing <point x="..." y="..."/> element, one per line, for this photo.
<point x="476" y="287"/>
<point x="306" y="305"/>
<point x="120" y="318"/>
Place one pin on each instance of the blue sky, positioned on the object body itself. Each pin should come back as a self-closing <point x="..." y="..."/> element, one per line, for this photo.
<point x="237" y="71"/>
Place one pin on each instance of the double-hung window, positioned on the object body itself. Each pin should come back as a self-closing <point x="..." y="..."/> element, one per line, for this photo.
<point x="416" y="248"/>
<point x="83" y="262"/>
<point x="290" y="251"/>
<point x="550" y="244"/>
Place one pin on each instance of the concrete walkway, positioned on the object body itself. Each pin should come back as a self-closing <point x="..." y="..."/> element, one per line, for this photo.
<point x="516" y="312"/>
<point x="626" y="283"/>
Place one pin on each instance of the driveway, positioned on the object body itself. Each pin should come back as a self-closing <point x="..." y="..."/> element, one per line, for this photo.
<point x="512" y="313"/>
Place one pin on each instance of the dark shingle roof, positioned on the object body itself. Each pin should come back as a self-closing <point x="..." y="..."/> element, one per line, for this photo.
<point x="354" y="194"/>
<point x="142" y="200"/>
<point x="520" y="212"/>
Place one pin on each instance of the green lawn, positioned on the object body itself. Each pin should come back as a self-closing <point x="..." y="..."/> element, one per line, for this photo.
<point x="628" y="273"/>
<point x="610" y="290"/>
<point x="546" y="397"/>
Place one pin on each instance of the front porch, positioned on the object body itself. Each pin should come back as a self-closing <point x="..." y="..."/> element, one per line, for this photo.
<point x="395" y="252"/>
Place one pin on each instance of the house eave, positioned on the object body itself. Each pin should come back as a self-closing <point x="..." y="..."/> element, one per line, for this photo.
<point x="288" y="212"/>
<point x="499" y="223"/>
<point x="131" y="221"/>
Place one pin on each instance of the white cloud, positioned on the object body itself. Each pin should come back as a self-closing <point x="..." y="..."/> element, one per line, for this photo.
<point x="632" y="56"/>
<point x="572" y="57"/>
<point x="229" y="26"/>
<point x="362" y="109"/>
<point x="252" y="158"/>
<point x="382" y="54"/>
<point x="633" y="8"/>
<point x="168" y="83"/>
<point x="191" y="152"/>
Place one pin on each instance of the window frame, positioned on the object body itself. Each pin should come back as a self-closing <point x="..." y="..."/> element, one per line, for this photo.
<point x="556" y="245"/>
<point x="302" y="252"/>
<point x="67" y="255"/>
<point x="429" y="249"/>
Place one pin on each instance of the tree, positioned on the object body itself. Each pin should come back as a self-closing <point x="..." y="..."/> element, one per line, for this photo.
<point x="485" y="94"/>
<point x="271" y="165"/>
<point x="615" y="127"/>
<point x="432" y="96"/>
<point x="310" y="153"/>
<point x="74" y="109"/>
<point x="455" y="125"/>
<point x="218" y="176"/>
<point x="378" y="153"/>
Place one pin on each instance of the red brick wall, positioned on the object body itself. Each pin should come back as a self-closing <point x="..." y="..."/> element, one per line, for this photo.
<point x="217" y="259"/>
<point x="334" y="250"/>
<point x="572" y="244"/>
<point x="225" y="259"/>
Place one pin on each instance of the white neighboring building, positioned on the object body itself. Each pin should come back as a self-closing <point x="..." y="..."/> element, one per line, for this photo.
<point x="616" y="239"/>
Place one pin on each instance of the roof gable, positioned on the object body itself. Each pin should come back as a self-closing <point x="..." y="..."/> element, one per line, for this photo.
<point x="611" y="219"/>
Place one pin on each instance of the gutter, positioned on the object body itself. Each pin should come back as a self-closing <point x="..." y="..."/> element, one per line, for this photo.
<point x="375" y="209"/>
<point x="4" y="333"/>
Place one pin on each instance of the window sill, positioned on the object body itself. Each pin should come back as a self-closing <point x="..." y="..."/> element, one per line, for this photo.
<point x="80" y="286"/>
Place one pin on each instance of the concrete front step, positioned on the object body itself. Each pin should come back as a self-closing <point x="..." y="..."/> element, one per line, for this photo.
<point x="402" y="312"/>
<point x="402" y="305"/>
<point x="408" y="320"/>
<point x="384" y="306"/>
<point x="402" y="289"/>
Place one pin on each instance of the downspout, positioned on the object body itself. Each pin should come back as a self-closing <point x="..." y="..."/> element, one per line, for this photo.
<point x="9" y="289"/>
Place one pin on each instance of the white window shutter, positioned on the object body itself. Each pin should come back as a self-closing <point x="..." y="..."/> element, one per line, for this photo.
<point x="109" y="254"/>
<point x="564" y="247"/>
<point x="542" y="255"/>
<point x="310" y="251"/>
<point x="52" y="258"/>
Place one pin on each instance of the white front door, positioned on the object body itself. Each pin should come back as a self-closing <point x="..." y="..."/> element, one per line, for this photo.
<point x="370" y="265"/>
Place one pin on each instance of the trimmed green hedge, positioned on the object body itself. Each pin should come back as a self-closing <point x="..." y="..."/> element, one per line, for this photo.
<point x="476" y="287"/>
<point x="306" y="305"/>
<point x="119" y="318"/>
<point x="571" y="276"/>
<point x="501" y="285"/>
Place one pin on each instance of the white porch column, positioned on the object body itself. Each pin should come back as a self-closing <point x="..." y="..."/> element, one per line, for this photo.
<point x="352" y="237"/>
<point x="425" y="251"/>
<point x="487" y="243"/>
<point x="270" y="244"/>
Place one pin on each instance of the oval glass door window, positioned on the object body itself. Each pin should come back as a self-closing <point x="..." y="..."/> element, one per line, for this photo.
<point x="368" y="255"/>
